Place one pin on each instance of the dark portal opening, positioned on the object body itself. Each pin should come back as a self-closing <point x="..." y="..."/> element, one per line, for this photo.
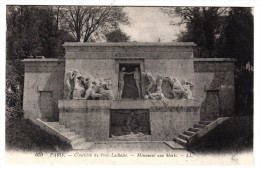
<point x="130" y="90"/>
<point x="125" y="122"/>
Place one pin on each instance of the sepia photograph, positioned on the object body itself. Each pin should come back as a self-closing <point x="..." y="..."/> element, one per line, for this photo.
<point x="119" y="84"/>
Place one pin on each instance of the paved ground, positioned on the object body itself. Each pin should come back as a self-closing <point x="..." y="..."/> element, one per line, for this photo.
<point x="133" y="146"/>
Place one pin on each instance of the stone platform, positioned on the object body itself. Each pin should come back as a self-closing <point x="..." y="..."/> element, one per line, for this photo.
<point x="112" y="144"/>
<point x="133" y="147"/>
<point x="91" y="118"/>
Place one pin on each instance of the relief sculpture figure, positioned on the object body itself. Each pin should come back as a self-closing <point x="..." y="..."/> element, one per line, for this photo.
<point x="70" y="83"/>
<point x="105" y="90"/>
<point x="187" y="89"/>
<point x="89" y="88"/>
<point x="84" y="87"/>
<point x="121" y="82"/>
<point x="150" y="80"/>
<point x="131" y="123"/>
<point x="79" y="89"/>
<point x="177" y="88"/>
<point x="99" y="89"/>
<point x="137" y="78"/>
<point x="157" y="95"/>
<point x="181" y="89"/>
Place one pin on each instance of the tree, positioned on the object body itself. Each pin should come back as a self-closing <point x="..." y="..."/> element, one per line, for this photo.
<point x="88" y="22"/>
<point x="13" y="89"/>
<point x="117" y="36"/>
<point x="239" y="43"/>
<point x="239" y="35"/>
<point x="203" y="25"/>
<point x="223" y="32"/>
<point x="31" y="31"/>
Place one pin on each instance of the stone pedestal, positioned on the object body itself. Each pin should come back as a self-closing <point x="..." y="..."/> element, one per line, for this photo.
<point x="91" y="118"/>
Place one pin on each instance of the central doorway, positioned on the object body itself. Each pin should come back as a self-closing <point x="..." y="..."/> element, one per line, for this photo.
<point x="130" y="125"/>
<point x="130" y="89"/>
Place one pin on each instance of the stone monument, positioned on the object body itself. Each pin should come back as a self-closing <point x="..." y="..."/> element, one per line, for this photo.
<point x="143" y="91"/>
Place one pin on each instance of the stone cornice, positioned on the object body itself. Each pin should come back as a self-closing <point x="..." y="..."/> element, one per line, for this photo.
<point x="42" y="60"/>
<point x="122" y="44"/>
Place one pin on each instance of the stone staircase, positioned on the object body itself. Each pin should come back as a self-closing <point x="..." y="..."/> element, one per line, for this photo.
<point x="75" y="140"/>
<point x="192" y="135"/>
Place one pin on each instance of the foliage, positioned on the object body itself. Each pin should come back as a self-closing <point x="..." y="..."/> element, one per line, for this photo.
<point x="89" y="22"/>
<point x="14" y="90"/>
<point x="41" y="31"/>
<point x="238" y="43"/>
<point x="239" y="35"/>
<point x="203" y="27"/>
<point x="31" y="31"/>
<point x="218" y="31"/>
<point x="244" y="92"/>
<point x="23" y="135"/>
<point x="117" y="36"/>
<point x="223" y="32"/>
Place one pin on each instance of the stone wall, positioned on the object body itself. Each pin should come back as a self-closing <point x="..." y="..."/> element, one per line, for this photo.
<point x="43" y="87"/>
<point x="86" y="117"/>
<point x="180" y="68"/>
<point x="102" y="60"/>
<point x="97" y="68"/>
<point x="213" y="77"/>
<point x="91" y="118"/>
<point x="173" y="118"/>
<point x="214" y="86"/>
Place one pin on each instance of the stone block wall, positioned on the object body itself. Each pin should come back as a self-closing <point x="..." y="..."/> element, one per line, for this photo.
<point x="180" y="68"/>
<point x="215" y="86"/>
<point x="91" y="118"/>
<point x="169" y="121"/>
<point x="86" y="117"/>
<point x="102" y="60"/>
<point x="213" y="77"/>
<point x="43" y="87"/>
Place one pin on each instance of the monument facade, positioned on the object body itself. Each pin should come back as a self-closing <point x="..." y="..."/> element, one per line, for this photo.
<point x="115" y="91"/>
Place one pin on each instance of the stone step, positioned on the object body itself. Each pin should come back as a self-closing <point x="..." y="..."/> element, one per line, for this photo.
<point x="205" y="122"/>
<point x="53" y="123"/>
<point x="68" y="134"/>
<point x="189" y="133"/>
<point x="199" y="126"/>
<point x="180" y="141"/>
<point x="61" y="126"/>
<point x="194" y="129"/>
<point x="75" y="136"/>
<point x="64" y="133"/>
<point x="77" y="141"/>
<point x="83" y="146"/>
<point x="56" y="125"/>
<point x="184" y="136"/>
<point x="63" y="130"/>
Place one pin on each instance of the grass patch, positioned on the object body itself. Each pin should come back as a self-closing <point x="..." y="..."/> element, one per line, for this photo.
<point x="23" y="135"/>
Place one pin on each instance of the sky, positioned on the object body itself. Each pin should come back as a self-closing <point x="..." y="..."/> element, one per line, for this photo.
<point x="148" y="24"/>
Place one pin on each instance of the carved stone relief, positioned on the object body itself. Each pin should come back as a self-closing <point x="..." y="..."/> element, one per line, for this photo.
<point x="179" y="89"/>
<point x="87" y="87"/>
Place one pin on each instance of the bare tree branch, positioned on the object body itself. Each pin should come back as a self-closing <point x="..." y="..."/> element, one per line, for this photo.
<point x="84" y="21"/>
